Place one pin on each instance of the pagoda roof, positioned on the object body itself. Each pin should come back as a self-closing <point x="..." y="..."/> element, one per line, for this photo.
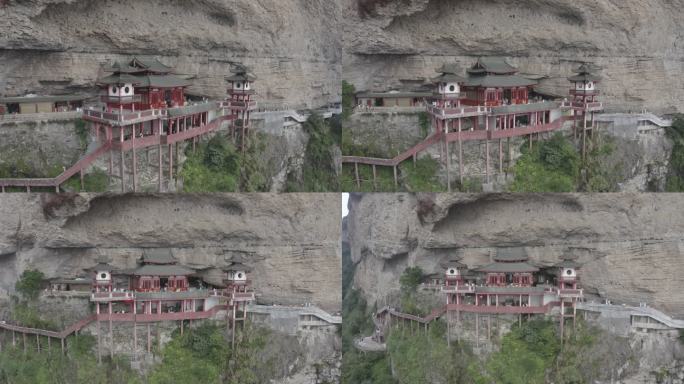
<point x="453" y="262"/>
<point x="499" y="81"/>
<point x="139" y="65"/>
<point x="121" y="78"/>
<point x="510" y="254"/>
<point x="159" y="81"/>
<point x="157" y="256"/>
<point x="162" y="270"/>
<point x="152" y="65"/>
<point x="241" y="73"/>
<point x="241" y="77"/>
<point x="586" y="72"/>
<point x="584" y="77"/>
<point x="515" y="267"/>
<point x="449" y="72"/>
<point x="102" y="265"/>
<point x="237" y="266"/>
<point x="492" y="64"/>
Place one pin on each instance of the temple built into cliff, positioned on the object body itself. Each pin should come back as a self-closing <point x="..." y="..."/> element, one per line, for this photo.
<point x="143" y="107"/>
<point x="509" y="285"/>
<point x="491" y="104"/>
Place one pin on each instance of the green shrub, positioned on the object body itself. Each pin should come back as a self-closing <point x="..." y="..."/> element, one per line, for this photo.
<point x="29" y="283"/>
<point x="550" y="166"/>
<point x="675" y="175"/>
<point x="348" y="99"/>
<point x="318" y="170"/>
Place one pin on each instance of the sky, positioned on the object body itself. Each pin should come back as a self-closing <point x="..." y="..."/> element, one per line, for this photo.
<point x="345" y="198"/>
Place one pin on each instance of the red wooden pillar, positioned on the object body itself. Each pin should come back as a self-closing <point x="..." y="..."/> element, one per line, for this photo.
<point x="135" y="160"/>
<point x="121" y="164"/>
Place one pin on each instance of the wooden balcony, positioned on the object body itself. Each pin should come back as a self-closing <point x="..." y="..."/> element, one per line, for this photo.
<point x="112" y="296"/>
<point x="122" y="118"/>
<point x="156" y="317"/>
<point x="242" y="105"/>
<point x="458" y="112"/>
<point x="570" y="293"/>
<point x="501" y="309"/>
<point x="120" y="99"/>
<point x="577" y="92"/>
<point x="458" y="289"/>
<point x="590" y="107"/>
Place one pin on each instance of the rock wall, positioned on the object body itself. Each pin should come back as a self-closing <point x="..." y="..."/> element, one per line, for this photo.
<point x="638" y="43"/>
<point x="291" y="241"/>
<point x="385" y="134"/>
<point x="41" y="145"/>
<point x="49" y="46"/>
<point x="617" y="237"/>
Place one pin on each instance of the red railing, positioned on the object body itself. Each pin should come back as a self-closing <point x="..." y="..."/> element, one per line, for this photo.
<point x="491" y="309"/>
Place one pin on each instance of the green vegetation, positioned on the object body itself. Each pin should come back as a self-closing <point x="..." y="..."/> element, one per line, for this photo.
<point x="96" y="181"/>
<point x="420" y="357"/>
<point x="526" y="354"/>
<point x="359" y="367"/>
<point x="201" y="355"/>
<point x="318" y="170"/>
<point x="348" y="102"/>
<point x="424" y="121"/>
<point x="197" y="356"/>
<point x="79" y="366"/>
<point x="82" y="132"/>
<point x="410" y="279"/>
<point x="29" y="284"/>
<point x="550" y="166"/>
<point x="421" y="177"/>
<point x="675" y="176"/>
<point x="217" y="166"/>
<point x="555" y="165"/>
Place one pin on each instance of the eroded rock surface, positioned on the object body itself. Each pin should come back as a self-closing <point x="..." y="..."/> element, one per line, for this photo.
<point x="50" y="46"/>
<point x="631" y="245"/>
<point x="638" y="43"/>
<point x="292" y="241"/>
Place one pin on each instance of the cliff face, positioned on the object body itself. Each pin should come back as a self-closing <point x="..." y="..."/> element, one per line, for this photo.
<point x="630" y="245"/>
<point x="638" y="43"/>
<point x="49" y="46"/>
<point x="291" y="241"/>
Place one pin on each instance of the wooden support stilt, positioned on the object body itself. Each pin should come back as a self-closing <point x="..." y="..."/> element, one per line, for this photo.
<point x="375" y="185"/>
<point x="135" y="339"/>
<point x="49" y="343"/>
<point x="177" y="165"/>
<point x="181" y="327"/>
<point x="149" y="339"/>
<point x="161" y="173"/>
<point x="500" y="156"/>
<point x="38" y="341"/>
<point x="477" y="330"/>
<point x="486" y="119"/>
<point x="396" y="182"/>
<point x="448" y="157"/>
<point x="24" y="336"/>
<point x="356" y="173"/>
<point x="460" y="155"/>
<point x="82" y="184"/>
<point x="170" y="167"/>
<point x="135" y="168"/>
<point x="14" y="340"/>
<point x="99" y="343"/>
<point x="62" y="340"/>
